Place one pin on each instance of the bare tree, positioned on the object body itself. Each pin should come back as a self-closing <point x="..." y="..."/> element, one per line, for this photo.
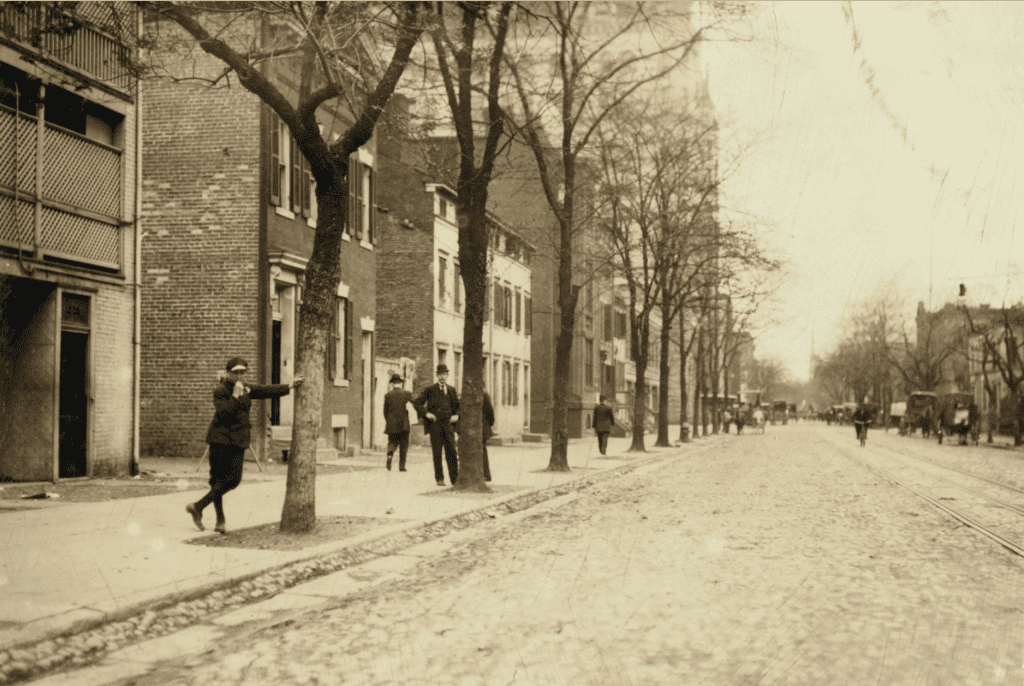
<point x="572" y="65"/>
<point x="324" y="43"/>
<point x="459" y="58"/>
<point x="1001" y="337"/>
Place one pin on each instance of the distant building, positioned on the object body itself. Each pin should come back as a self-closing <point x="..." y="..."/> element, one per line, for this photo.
<point x="69" y="231"/>
<point x="421" y="308"/>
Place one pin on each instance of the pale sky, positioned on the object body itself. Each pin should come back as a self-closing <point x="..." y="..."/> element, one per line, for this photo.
<point x="892" y="166"/>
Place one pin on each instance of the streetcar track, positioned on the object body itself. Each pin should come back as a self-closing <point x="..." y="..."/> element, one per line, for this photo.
<point x="962" y="517"/>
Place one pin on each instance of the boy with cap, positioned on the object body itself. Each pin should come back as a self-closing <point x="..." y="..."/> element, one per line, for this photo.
<point x="438" y="404"/>
<point x="396" y="420"/>
<point x="228" y="436"/>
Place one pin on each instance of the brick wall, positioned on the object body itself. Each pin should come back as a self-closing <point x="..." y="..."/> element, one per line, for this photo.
<point x="200" y="253"/>
<point x="405" y="259"/>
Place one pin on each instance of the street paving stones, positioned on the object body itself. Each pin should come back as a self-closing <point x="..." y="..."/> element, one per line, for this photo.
<point x="763" y="559"/>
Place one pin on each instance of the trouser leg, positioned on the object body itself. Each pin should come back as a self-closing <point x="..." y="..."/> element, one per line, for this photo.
<point x="451" y="455"/>
<point x="436" y="441"/>
<point x="226" y="463"/>
<point x="403" y="449"/>
<point x="487" y="464"/>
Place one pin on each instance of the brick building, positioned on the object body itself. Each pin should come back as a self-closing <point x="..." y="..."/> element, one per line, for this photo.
<point x="69" y="163"/>
<point x="231" y="215"/>
<point x="421" y="308"/>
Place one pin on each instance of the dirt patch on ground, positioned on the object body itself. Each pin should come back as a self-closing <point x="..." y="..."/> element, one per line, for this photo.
<point x="267" y="537"/>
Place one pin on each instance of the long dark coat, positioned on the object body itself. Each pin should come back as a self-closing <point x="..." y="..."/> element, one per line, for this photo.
<point x="230" y="425"/>
<point x="604" y="418"/>
<point x="396" y="416"/>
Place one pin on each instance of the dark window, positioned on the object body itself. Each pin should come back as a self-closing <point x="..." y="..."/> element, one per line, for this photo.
<point x="528" y="323"/>
<point x="456" y="290"/>
<point x="519" y="310"/>
<point x="442" y="274"/>
<point x="275" y="159"/>
<point x="607" y="322"/>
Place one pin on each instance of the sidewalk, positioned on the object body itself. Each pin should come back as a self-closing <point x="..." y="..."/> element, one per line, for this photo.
<point x="70" y="568"/>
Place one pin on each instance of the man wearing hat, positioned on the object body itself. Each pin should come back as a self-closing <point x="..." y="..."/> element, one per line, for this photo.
<point x="228" y="435"/>
<point x="438" y="404"/>
<point x="396" y="420"/>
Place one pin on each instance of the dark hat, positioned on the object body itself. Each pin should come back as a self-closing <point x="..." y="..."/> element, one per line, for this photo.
<point x="236" y="362"/>
<point x="395" y="378"/>
<point x="442" y="369"/>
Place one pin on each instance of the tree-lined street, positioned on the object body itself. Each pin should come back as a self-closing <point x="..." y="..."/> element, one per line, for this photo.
<point x="767" y="559"/>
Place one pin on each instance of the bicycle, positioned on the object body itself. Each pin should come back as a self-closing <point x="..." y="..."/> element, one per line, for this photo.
<point x="862" y="431"/>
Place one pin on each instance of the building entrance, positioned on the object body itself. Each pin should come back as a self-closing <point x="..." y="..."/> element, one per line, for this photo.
<point x="74" y="404"/>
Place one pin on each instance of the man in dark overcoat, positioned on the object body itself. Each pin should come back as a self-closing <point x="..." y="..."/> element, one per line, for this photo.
<point x="604" y="420"/>
<point x="228" y="435"/>
<point x="438" y="404"/>
<point x="488" y="415"/>
<point x="396" y="420"/>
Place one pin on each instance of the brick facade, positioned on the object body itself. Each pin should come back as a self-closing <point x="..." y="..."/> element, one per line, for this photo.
<point x="201" y="256"/>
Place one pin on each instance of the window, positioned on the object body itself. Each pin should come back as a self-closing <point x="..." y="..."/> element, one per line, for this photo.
<point x="519" y="310"/>
<point x="361" y="201"/>
<point x="499" y="304"/>
<point x="442" y="207"/>
<point x="442" y="356"/>
<point x="528" y="316"/>
<point x="487" y="302"/>
<point x="508" y="308"/>
<point x="276" y="172"/>
<point x="515" y="384"/>
<point x="607" y="323"/>
<point x="620" y="325"/>
<point x="291" y="182"/>
<point x="457" y="287"/>
<point x="442" y="277"/>
<point x="339" y="345"/>
<point x="456" y="363"/>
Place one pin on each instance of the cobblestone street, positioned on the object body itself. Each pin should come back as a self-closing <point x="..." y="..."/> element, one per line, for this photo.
<point x="771" y="560"/>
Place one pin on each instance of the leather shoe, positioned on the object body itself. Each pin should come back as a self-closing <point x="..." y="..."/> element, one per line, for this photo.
<point x="219" y="528"/>
<point x="389" y="463"/>
<point x="440" y="482"/>
<point x="402" y="469"/>
<point x="197" y="516"/>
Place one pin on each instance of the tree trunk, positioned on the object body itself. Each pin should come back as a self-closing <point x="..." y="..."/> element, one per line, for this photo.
<point x="663" y="379"/>
<point x="323" y="273"/>
<point x="473" y="240"/>
<point x="567" y="296"/>
<point x="699" y="426"/>
<point x="684" y="419"/>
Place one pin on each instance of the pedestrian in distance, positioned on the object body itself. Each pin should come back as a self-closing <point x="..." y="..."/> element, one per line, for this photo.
<point x="604" y="420"/>
<point x="396" y="420"/>
<point x="488" y="431"/>
<point x="861" y="419"/>
<point x="758" y="417"/>
<point x="741" y="420"/>
<point x="438" y="404"/>
<point x="726" y="420"/>
<point x="228" y="436"/>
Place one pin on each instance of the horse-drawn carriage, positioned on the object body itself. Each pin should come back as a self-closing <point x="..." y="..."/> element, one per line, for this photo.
<point x="957" y="414"/>
<point x="920" y="414"/>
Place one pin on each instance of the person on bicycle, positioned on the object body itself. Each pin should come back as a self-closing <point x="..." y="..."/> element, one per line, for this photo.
<point x="861" y="419"/>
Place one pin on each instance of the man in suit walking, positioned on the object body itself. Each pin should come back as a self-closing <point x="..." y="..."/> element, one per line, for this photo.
<point x="396" y="420"/>
<point x="604" y="420"/>
<point x="438" y="404"/>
